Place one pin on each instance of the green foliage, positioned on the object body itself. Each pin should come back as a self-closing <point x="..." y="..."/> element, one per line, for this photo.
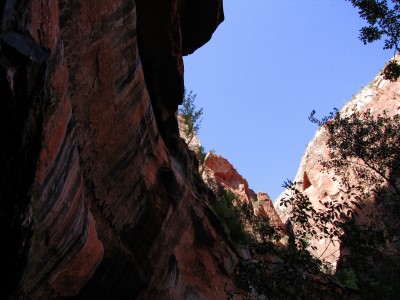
<point x="263" y="229"/>
<point x="201" y="154"/>
<point x="327" y="222"/>
<point x="191" y="116"/>
<point x="391" y="71"/>
<point x="282" y="277"/>
<point x="364" y="157"/>
<point x="227" y="208"/>
<point x="260" y="226"/>
<point x="348" y="277"/>
<point x="367" y="146"/>
<point x="239" y="221"/>
<point x="383" y="18"/>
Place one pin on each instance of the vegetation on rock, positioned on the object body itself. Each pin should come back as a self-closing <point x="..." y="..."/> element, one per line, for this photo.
<point x="383" y="18"/>
<point x="192" y="117"/>
<point x="364" y="159"/>
<point x="240" y="223"/>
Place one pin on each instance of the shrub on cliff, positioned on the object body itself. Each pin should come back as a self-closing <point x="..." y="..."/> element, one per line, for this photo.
<point x="239" y="221"/>
<point x="364" y="159"/>
<point x="228" y="210"/>
<point x="191" y="116"/>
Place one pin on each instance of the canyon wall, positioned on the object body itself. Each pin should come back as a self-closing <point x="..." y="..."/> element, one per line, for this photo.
<point x="318" y="185"/>
<point x="219" y="172"/>
<point x="99" y="197"/>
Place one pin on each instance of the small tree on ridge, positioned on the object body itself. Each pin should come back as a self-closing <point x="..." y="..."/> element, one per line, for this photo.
<point x="192" y="117"/>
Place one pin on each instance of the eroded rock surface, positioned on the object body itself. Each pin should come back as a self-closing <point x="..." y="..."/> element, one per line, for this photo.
<point x="219" y="172"/>
<point x="98" y="194"/>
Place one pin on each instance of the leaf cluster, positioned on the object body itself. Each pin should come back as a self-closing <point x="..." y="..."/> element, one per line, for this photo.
<point x="391" y="71"/>
<point x="283" y="276"/>
<point x="201" y="154"/>
<point x="368" y="147"/>
<point x="326" y="222"/>
<point x="364" y="158"/>
<point x="383" y="18"/>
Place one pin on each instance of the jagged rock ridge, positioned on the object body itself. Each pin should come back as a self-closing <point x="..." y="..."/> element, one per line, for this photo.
<point x="217" y="172"/>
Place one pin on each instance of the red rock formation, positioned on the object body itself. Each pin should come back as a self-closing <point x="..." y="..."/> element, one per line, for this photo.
<point x="266" y="208"/>
<point x="98" y="194"/>
<point x="218" y="171"/>
<point x="379" y="95"/>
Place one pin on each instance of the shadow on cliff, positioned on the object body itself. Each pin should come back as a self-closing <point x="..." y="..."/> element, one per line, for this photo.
<point x="20" y="134"/>
<point x="370" y="248"/>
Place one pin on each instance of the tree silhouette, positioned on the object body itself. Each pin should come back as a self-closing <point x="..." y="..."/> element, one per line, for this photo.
<point x="383" y="18"/>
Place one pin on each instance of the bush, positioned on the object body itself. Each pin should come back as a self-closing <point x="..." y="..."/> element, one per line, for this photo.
<point x="364" y="158"/>
<point x="236" y="217"/>
<point x="348" y="277"/>
<point x="192" y="117"/>
<point x="226" y="207"/>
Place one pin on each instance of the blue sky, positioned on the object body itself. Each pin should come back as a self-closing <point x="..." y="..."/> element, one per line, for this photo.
<point x="268" y="65"/>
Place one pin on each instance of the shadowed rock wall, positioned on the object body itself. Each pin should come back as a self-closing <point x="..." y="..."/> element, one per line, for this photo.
<point x="98" y="193"/>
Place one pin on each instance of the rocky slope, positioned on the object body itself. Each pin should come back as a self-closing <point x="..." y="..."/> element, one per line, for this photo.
<point x="378" y="96"/>
<point x="218" y="171"/>
<point x="98" y="196"/>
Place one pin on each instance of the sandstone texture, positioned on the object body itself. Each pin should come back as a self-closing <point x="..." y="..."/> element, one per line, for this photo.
<point x="219" y="172"/>
<point x="98" y="196"/>
<point x="380" y="95"/>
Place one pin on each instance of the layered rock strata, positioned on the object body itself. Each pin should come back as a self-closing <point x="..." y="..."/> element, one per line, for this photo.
<point x="98" y="196"/>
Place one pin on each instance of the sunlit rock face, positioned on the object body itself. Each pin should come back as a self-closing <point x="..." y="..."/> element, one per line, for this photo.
<point x="98" y="197"/>
<point x="266" y="208"/>
<point x="219" y="172"/>
<point x="380" y="95"/>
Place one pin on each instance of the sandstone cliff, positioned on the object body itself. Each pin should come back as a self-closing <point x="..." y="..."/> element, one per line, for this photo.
<point x="380" y="95"/>
<point x="98" y="193"/>
<point x="218" y="171"/>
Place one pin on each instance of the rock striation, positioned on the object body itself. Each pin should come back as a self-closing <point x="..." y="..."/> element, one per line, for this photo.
<point x="380" y="95"/>
<point x="98" y="193"/>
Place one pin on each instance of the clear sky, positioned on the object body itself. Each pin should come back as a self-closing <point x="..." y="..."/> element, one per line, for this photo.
<point x="268" y="65"/>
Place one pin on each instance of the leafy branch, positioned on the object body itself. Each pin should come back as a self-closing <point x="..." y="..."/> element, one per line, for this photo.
<point x="383" y="18"/>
